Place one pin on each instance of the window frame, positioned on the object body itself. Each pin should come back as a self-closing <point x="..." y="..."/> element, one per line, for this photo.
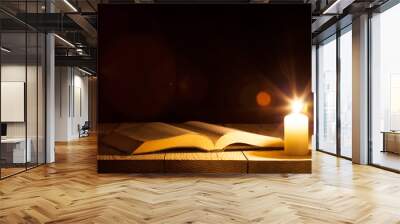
<point x="334" y="37"/>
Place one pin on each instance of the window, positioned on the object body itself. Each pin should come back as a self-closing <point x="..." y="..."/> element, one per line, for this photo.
<point x="346" y="92"/>
<point x="22" y="78"/>
<point x="385" y="88"/>
<point x="327" y="95"/>
<point x="15" y="150"/>
<point x="334" y="94"/>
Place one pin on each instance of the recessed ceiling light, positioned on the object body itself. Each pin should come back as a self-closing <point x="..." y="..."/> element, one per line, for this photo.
<point x="84" y="71"/>
<point x="337" y="7"/>
<point x="70" y="5"/>
<point x="64" y="40"/>
<point x="5" y="50"/>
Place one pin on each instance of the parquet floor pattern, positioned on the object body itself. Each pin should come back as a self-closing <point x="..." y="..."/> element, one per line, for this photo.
<point x="70" y="191"/>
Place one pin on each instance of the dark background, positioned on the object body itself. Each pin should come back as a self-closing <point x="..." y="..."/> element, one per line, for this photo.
<point x="176" y="63"/>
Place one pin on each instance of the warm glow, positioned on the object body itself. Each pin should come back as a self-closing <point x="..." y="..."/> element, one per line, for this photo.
<point x="297" y="106"/>
<point x="296" y="130"/>
<point x="296" y="134"/>
<point x="263" y="99"/>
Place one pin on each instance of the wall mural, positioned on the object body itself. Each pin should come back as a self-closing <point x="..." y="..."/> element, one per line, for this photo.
<point x="200" y="76"/>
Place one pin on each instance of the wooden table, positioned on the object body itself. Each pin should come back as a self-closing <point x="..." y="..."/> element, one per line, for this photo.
<point x="259" y="161"/>
<point x="391" y="141"/>
<point x="13" y="150"/>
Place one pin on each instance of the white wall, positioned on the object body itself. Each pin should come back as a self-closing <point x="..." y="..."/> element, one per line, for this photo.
<point x="62" y="82"/>
<point x="12" y="73"/>
<point x="80" y="103"/>
<point x="71" y="102"/>
<point x="33" y="127"/>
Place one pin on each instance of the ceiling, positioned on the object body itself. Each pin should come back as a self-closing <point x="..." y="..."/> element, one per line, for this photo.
<point x="76" y="20"/>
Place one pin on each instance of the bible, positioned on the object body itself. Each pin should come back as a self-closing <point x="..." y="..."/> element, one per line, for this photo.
<point x="140" y="138"/>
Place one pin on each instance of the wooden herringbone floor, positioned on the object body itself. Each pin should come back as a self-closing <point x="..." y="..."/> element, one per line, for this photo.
<point x="70" y="191"/>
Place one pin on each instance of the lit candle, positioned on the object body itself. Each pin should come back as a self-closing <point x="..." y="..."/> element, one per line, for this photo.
<point x="296" y="131"/>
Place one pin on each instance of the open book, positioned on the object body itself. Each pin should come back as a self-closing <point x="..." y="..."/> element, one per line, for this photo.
<point x="155" y="136"/>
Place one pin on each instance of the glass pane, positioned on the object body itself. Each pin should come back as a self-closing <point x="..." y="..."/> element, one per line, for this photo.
<point x="385" y="84"/>
<point x="346" y="94"/>
<point x="327" y="96"/>
<point x="14" y="153"/>
<point x="31" y="97"/>
<point x="31" y="86"/>
<point x="22" y="89"/>
<point x="41" y="98"/>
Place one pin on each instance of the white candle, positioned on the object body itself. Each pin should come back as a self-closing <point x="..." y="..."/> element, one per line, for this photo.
<point x="296" y="132"/>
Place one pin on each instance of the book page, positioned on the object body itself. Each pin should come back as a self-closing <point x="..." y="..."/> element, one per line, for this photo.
<point x="214" y="132"/>
<point x="224" y="136"/>
<point x="140" y="138"/>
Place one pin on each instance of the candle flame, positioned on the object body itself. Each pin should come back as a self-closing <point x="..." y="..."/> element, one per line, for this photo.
<point x="297" y="106"/>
